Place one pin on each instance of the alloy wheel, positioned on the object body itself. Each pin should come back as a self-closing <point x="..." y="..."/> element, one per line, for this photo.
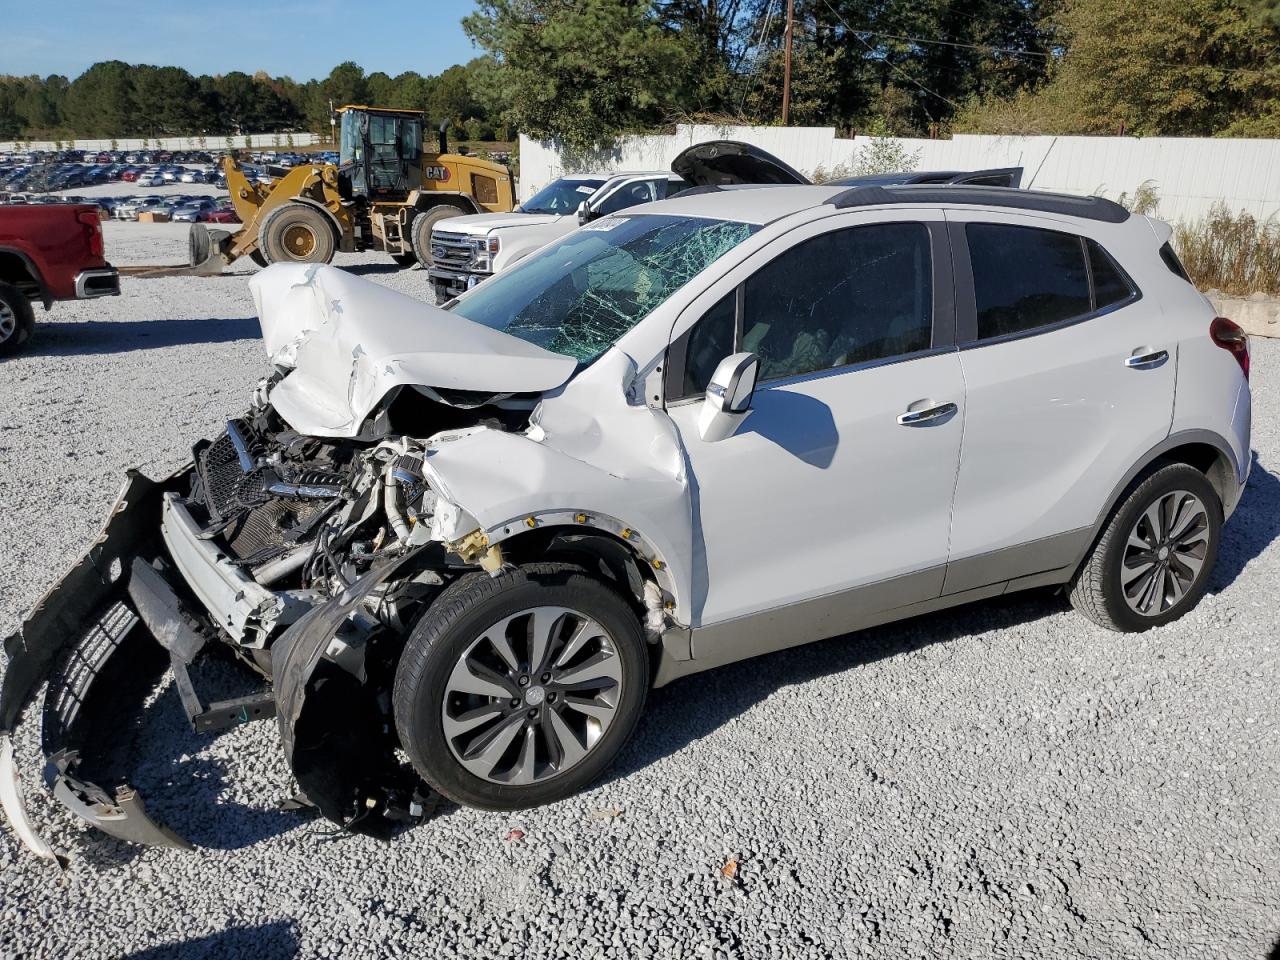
<point x="8" y="322"/>
<point x="1165" y="553"/>
<point x="532" y="696"/>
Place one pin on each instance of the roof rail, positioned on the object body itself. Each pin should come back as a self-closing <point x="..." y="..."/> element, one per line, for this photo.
<point x="1091" y="208"/>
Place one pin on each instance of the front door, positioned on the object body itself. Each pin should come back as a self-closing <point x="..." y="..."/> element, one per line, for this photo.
<point x="842" y="476"/>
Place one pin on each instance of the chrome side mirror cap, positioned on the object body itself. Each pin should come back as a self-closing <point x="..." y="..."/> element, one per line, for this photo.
<point x="728" y="398"/>
<point x="584" y="213"/>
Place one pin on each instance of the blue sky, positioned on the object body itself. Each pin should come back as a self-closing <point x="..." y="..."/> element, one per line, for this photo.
<point x="296" y="38"/>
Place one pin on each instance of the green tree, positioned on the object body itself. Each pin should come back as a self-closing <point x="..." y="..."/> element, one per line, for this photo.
<point x="583" y="72"/>
<point x="100" y="101"/>
<point x="1195" y="68"/>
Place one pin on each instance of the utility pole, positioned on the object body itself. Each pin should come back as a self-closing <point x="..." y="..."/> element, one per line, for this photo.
<point x="786" y="65"/>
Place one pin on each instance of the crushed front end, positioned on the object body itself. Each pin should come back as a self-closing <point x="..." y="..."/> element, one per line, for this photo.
<point x="304" y="559"/>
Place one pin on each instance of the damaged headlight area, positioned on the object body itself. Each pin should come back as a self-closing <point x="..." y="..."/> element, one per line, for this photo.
<point x="305" y="559"/>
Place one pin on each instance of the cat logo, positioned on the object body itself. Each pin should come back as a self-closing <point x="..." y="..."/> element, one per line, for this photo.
<point x="437" y="173"/>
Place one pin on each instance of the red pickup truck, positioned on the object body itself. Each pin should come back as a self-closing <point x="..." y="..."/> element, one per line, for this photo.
<point x="48" y="252"/>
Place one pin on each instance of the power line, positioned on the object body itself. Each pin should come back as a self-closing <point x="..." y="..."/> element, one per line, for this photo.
<point x="888" y="62"/>
<point x="1014" y="51"/>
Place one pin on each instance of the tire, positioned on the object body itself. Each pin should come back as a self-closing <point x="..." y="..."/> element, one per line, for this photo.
<point x="1173" y="510"/>
<point x="420" y="229"/>
<point x="17" y="320"/>
<point x="454" y="634"/>
<point x="297" y="233"/>
<point x="257" y="257"/>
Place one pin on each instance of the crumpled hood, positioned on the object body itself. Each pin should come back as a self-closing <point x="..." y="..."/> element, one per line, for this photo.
<point x="348" y="342"/>
<point x="478" y="224"/>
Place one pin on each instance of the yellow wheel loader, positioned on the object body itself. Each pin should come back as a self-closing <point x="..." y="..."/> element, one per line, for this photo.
<point x="386" y="193"/>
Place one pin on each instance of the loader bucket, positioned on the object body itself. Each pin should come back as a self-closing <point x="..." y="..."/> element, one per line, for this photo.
<point x="207" y="249"/>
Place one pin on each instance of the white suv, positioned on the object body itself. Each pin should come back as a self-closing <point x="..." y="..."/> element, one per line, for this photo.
<point x="699" y="431"/>
<point x="467" y="250"/>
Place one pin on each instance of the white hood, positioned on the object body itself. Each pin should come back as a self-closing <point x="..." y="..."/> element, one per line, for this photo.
<point x="348" y="342"/>
<point x="478" y="224"/>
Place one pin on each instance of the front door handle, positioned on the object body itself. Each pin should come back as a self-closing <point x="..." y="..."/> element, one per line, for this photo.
<point x="914" y="418"/>
<point x="1145" y="361"/>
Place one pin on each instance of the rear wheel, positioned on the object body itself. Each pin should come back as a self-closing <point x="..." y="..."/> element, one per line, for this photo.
<point x="420" y="229"/>
<point x="16" y="319"/>
<point x="297" y="233"/>
<point x="520" y="689"/>
<point x="1151" y="564"/>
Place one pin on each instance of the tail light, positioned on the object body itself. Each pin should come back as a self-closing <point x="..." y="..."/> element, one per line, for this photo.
<point x="1231" y="338"/>
<point x="93" y="220"/>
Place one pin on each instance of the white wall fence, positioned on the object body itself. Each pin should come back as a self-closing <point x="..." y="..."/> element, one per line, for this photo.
<point x="260" y="141"/>
<point x="1189" y="174"/>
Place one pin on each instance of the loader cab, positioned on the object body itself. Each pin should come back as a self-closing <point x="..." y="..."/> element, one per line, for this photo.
<point x="380" y="154"/>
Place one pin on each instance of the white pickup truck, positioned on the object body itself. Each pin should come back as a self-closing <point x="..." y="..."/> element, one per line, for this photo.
<point x="466" y="250"/>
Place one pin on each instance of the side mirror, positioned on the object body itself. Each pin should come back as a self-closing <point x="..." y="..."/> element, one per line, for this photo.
<point x="585" y="213"/>
<point x="728" y="399"/>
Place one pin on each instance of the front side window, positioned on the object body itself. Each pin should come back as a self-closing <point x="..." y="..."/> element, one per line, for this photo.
<point x="561" y="196"/>
<point x="627" y="195"/>
<point x="1026" y="277"/>
<point x="847" y="297"/>
<point x="710" y="340"/>
<point x="578" y="295"/>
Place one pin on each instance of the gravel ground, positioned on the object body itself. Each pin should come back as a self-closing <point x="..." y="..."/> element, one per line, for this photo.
<point x="1004" y="780"/>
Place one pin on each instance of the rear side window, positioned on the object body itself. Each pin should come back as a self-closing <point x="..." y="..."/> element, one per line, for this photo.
<point x="1024" y="277"/>
<point x="1110" y="286"/>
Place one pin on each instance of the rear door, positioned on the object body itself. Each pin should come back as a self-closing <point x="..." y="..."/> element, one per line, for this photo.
<point x="1069" y="375"/>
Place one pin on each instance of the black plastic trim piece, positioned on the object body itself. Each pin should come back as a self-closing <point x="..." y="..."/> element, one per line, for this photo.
<point x="1088" y="208"/>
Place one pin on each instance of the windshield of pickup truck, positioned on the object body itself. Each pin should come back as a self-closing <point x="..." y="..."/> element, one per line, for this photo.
<point x="578" y="295"/>
<point x="561" y="196"/>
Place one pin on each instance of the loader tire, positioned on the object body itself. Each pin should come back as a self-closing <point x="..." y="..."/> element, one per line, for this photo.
<point x="297" y="233"/>
<point x="420" y="229"/>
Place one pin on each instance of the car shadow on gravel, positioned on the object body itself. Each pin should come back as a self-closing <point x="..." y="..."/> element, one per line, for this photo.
<point x="94" y="337"/>
<point x="693" y="707"/>
<point x="277" y="940"/>
<point x="1252" y="528"/>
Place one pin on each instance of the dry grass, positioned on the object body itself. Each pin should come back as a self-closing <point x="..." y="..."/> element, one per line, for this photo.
<point x="1234" y="253"/>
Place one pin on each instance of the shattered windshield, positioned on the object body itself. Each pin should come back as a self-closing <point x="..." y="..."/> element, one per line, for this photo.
<point x="561" y="196"/>
<point x="580" y="294"/>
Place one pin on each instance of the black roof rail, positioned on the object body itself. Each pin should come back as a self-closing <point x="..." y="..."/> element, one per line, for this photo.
<point x="1091" y="208"/>
<point x="694" y="191"/>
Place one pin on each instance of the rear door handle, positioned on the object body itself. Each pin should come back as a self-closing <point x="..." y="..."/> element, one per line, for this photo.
<point x="1145" y="361"/>
<point x="914" y="418"/>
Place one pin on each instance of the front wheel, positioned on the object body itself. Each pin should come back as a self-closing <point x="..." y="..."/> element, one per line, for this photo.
<point x="519" y="690"/>
<point x="422" y="224"/>
<point x="1152" y="562"/>
<point x="297" y="233"/>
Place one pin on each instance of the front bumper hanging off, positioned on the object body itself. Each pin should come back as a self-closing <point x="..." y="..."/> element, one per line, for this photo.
<point x="86" y="615"/>
<point x="103" y="637"/>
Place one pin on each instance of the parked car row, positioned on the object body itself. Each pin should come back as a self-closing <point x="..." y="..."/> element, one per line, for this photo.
<point x="64" y="175"/>
<point x="112" y="156"/>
